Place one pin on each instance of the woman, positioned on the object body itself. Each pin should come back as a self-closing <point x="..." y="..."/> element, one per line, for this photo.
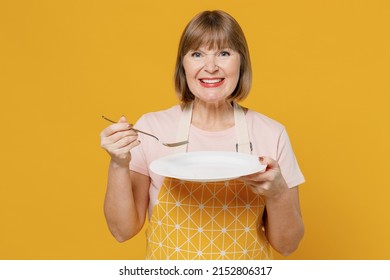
<point x="236" y="219"/>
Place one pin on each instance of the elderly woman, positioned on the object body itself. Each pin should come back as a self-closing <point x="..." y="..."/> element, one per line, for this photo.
<point x="233" y="219"/>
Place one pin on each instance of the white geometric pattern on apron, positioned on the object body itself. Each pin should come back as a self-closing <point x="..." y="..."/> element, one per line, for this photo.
<point x="220" y="220"/>
<point x="207" y="221"/>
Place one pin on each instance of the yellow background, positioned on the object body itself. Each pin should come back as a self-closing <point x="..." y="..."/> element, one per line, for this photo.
<point x="320" y="67"/>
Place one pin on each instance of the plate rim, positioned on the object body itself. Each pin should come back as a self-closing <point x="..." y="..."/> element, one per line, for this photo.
<point x="152" y="167"/>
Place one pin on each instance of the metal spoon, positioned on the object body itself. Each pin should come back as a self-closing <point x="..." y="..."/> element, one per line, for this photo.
<point x="175" y="144"/>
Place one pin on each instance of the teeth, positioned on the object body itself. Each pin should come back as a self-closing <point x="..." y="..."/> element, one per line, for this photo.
<point x="211" y="81"/>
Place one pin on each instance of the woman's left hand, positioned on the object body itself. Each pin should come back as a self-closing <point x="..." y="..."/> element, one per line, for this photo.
<point x="269" y="183"/>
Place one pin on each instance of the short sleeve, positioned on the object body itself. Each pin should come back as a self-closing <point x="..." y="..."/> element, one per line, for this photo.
<point x="288" y="162"/>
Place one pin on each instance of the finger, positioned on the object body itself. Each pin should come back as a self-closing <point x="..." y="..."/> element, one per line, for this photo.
<point x="126" y="149"/>
<point x="110" y="142"/>
<point x="256" y="177"/>
<point x="122" y="120"/>
<point x="253" y="183"/>
<point x="257" y="189"/>
<point x="256" y="186"/>
<point x="134" y="144"/>
<point x="123" y="142"/>
<point x="112" y="139"/>
<point x="270" y="162"/>
<point x="114" y="128"/>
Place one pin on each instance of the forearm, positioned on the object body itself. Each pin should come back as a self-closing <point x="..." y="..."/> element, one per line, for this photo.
<point x="283" y="223"/>
<point x="120" y="209"/>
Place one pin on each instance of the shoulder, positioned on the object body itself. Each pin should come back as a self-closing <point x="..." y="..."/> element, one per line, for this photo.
<point x="169" y="113"/>
<point x="166" y="116"/>
<point x="260" y="121"/>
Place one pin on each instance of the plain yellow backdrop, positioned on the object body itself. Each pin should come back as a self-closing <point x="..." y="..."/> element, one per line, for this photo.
<point x="320" y="67"/>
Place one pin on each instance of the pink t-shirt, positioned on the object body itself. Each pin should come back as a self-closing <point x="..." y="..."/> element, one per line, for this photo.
<point x="268" y="137"/>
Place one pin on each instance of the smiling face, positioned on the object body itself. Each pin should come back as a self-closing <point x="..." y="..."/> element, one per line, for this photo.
<point x="212" y="75"/>
<point x="208" y="35"/>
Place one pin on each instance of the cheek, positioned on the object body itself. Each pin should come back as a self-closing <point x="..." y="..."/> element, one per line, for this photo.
<point x="190" y="78"/>
<point x="188" y="68"/>
<point x="234" y="75"/>
<point x="236" y="69"/>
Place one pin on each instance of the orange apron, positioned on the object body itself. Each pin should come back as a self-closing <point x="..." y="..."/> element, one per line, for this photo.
<point x="209" y="221"/>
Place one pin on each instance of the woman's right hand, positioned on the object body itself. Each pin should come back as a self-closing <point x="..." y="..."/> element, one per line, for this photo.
<point x="118" y="139"/>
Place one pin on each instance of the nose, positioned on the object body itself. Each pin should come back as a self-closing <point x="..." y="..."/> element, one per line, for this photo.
<point x="211" y="63"/>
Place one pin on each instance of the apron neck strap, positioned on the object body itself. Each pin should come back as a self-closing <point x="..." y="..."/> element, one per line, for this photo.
<point x="183" y="130"/>
<point x="242" y="135"/>
<point x="243" y="144"/>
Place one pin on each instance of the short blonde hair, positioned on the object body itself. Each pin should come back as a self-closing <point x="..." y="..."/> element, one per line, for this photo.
<point x="214" y="29"/>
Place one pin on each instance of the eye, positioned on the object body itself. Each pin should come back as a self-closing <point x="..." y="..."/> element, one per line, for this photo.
<point x="196" y="55"/>
<point x="224" y="53"/>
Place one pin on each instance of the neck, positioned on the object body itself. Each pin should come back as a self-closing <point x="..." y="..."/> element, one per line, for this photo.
<point x="212" y="116"/>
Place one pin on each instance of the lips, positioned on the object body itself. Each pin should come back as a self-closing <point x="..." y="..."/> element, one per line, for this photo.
<point x="211" y="82"/>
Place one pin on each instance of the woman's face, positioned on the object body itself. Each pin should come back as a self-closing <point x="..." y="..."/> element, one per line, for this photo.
<point x="212" y="75"/>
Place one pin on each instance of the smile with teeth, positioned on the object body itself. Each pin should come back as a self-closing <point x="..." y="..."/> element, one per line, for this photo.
<point x="210" y="81"/>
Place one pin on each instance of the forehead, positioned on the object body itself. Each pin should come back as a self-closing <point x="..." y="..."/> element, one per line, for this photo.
<point x="209" y="40"/>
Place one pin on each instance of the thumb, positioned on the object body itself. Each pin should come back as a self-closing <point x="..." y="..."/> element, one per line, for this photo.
<point x="271" y="163"/>
<point x="122" y="119"/>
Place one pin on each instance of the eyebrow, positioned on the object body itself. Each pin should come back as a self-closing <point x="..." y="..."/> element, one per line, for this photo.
<point x="219" y="49"/>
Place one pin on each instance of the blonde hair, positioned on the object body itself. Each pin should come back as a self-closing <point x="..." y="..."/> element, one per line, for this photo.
<point x="213" y="29"/>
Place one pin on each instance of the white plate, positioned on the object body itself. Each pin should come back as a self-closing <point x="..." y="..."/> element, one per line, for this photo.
<point x="207" y="166"/>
